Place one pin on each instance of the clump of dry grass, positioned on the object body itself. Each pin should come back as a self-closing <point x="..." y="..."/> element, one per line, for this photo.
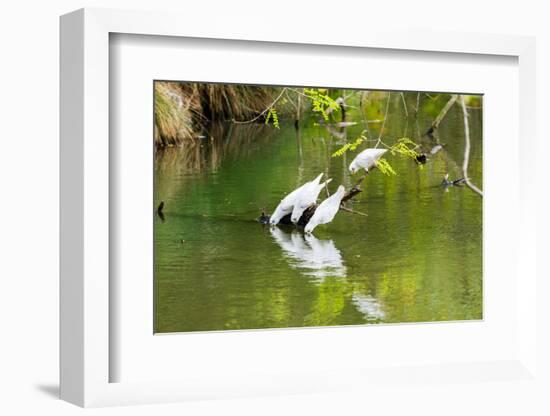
<point x="182" y="109"/>
<point x="228" y="102"/>
<point x="173" y="114"/>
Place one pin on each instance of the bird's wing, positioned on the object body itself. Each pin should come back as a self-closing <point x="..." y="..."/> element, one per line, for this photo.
<point x="288" y="201"/>
<point x="297" y="211"/>
<point x="313" y="195"/>
<point x="370" y="156"/>
<point x="279" y="212"/>
<point x="327" y="210"/>
<point x="300" y="192"/>
<point x="302" y="197"/>
<point x="332" y="205"/>
<point x="365" y="158"/>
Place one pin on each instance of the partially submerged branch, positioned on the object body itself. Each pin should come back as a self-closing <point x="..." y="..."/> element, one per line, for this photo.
<point x="308" y="213"/>
<point x="467" y="149"/>
<point x="442" y="114"/>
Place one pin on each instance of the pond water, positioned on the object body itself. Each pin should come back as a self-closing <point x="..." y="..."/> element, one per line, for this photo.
<point x="416" y="257"/>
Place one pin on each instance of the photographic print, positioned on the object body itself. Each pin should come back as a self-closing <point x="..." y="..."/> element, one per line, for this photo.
<point x="291" y="206"/>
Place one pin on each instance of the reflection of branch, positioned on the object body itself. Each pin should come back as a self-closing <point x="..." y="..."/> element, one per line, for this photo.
<point x="416" y="115"/>
<point x="467" y="149"/>
<point x="404" y="105"/>
<point x="406" y="114"/>
<point x="352" y="211"/>
<point x="384" y="122"/>
<point x="442" y="114"/>
<point x="263" y="112"/>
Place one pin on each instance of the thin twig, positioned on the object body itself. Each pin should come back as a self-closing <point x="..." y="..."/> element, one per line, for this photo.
<point x="363" y="113"/>
<point x="406" y="114"/>
<point x="405" y="105"/>
<point x="297" y="92"/>
<point x="360" y="181"/>
<point x="416" y="115"/>
<point x="467" y="149"/>
<point x="326" y="189"/>
<point x="291" y="101"/>
<point x="352" y="211"/>
<point x="263" y="112"/>
<point x="384" y="122"/>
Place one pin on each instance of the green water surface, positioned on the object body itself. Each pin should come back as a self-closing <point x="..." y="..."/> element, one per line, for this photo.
<point x="417" y="257"/>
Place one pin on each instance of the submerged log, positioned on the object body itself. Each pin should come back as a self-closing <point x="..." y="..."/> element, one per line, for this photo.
<point x="304" y="219"/>
<point x="308" y="213"/>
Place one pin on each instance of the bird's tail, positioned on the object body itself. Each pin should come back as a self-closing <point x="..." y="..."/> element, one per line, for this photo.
<point x="322" y="185"/>
<point x="381" y="153"/>
<point x="318" y="178"/>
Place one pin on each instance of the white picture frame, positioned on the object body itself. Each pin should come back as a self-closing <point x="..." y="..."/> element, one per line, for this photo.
<point x="85" y="213"/>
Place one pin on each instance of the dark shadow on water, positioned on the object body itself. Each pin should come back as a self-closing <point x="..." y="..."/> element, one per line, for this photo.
<point x="51" y="390"/>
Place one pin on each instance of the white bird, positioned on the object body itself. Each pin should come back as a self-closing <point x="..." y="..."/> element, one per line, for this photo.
<point x="306" y="198"/>
<point x="326" y="211"/>
<point x="366" y="159"/>
<point x="287" y="203"/>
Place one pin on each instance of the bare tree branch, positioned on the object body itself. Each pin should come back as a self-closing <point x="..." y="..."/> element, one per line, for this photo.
<point x="442" y="114"/>
<point x="467" y="149"/>
<point x="263" y="112"/>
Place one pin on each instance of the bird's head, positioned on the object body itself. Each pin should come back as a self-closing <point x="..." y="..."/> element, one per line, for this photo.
<point x="295" y="218"/>
<point x="353" y="168"/>
<point x="308" y="228"/>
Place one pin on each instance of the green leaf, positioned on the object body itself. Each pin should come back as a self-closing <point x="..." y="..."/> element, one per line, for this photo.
<point x="384" y="167"/>
<point x="405" y="147"/>
<point x="272" y="115"/>
<point x="320" y="101"/>
<point x="349" y="146"/>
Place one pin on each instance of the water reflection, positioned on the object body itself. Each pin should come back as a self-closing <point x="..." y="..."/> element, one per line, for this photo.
<point x="370" y="307"/>
<point x="313" y="257"/>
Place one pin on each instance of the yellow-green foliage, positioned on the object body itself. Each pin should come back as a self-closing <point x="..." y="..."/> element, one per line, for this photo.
<point x="349" y="146"/>
<point x="405" y="147"/>
<point x="272" y="115"/>
<point x="320" y="101"/>
<point x="473" y="100"/>
<point x="384" y="167"/>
